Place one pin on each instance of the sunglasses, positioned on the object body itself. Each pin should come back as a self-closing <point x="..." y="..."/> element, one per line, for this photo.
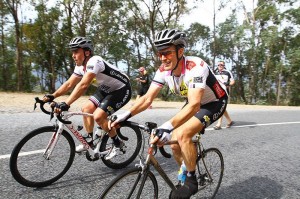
<point x="221" y="65"/>
<point x="166" y="54"/>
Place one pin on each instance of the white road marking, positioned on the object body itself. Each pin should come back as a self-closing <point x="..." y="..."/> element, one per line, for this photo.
<point x="23" y="154"/>
<point x="208" y="129"/>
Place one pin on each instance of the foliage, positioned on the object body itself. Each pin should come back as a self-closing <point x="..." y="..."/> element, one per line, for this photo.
<point x="262" y="50"/>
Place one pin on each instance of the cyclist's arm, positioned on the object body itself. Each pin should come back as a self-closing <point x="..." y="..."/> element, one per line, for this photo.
<point x="81" y="87"/>
<point x="146" y="100"/>
<point x="194" y="99"/>
<point x="68" y="85"/>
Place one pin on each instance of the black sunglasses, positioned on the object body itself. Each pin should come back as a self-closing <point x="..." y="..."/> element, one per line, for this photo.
<point x="165" y="53"/>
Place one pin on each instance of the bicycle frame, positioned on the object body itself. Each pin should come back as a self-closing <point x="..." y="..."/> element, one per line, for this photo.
<point x="72" y="128"/>
<point x="151" y="160"/>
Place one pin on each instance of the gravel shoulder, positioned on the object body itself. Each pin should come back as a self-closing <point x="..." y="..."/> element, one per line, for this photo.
<point x="11" y="102"/>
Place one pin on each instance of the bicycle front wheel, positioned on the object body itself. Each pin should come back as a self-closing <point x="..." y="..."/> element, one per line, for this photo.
<point x="131" y="137"/>
<point x="132" y="184"/>
<point x="28" y="165"/>
<point x="210" y="166"/>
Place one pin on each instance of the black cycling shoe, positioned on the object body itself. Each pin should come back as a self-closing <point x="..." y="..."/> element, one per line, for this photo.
<point x="189" y="188"/>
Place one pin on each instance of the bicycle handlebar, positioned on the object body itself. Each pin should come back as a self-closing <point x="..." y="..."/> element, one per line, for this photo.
<point x="149" y="127"/>
<point x="42" y="103"/>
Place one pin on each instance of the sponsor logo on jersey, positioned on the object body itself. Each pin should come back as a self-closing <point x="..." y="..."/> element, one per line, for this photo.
<point x="104" y="88"/>
<point x="218" y="90"/>
<point x="94" y="81"/>
<point x="198" y="80"/>
<point x="218" y="114"/>
<point x="183" y="89"/>
<point x="110" y="109"/>
<point x="202" y="63"/>
<point x="90" y="67"/>
<point x="190" y="65"/>
<point x="116" y="74"/>
<point x="207" y="120"/>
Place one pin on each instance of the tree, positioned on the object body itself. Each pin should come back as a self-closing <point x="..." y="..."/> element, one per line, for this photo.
<point x="12" y="6"/>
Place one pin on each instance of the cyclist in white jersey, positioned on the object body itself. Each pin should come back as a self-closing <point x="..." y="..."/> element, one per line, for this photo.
<point x="113" y="89"/>
<point x="189" y="77"/>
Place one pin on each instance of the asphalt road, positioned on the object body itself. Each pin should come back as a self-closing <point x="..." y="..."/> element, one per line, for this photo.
<point x="261" y="153"/>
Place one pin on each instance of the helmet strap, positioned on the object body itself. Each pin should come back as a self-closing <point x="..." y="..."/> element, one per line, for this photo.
<point x="86" y="57"/>
<point x="178" y="59"/>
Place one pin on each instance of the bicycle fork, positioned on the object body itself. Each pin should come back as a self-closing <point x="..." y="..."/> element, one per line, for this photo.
<point x="52" y="143"/>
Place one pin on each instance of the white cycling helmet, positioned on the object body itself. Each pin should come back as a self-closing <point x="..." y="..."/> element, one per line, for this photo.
<point x="167" y="37"/>
<point x="81" y="42"/>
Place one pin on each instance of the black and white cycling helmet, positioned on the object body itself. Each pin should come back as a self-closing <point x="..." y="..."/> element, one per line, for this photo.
<point x="167" y="37"/>
<point x="81" y="42"/>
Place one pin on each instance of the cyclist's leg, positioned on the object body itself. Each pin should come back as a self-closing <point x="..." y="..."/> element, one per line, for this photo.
<point x="203" y="118"/>
<point x="89" y="107"/>
<point x="88" y="123"/>
<point x="109" y="104"/>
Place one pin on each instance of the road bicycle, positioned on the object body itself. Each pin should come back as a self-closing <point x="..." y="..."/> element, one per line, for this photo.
<point x="140" y="182"/>
<point x="45" y="154"/>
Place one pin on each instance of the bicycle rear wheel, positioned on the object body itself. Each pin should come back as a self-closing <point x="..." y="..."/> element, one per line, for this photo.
<point x="210" y="168"/>
<point x="130" y="183"/>
<point x="28" y="165"/>
<point x="131" y="136"/>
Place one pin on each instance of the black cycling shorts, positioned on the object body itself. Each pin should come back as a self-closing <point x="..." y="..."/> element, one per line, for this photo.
<point x="211" y="112"/>
<point x="111" y="102"/>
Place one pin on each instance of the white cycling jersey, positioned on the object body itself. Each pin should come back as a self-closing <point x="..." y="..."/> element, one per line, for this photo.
<point x="108" y="77"/>
<point x="195" y="74"/>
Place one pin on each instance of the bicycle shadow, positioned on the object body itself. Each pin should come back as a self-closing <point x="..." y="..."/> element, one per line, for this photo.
<point x="254" y="187"/>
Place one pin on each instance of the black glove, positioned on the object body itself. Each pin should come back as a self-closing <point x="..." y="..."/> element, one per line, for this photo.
<point x="49" y="98"/>
<point x="163" y="134"/>
<point x="63" y="106"/>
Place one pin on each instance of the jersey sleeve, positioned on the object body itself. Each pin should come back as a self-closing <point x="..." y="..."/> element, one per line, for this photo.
<point x="198" y="75"/>
<point x="95" y="65"/>
<point x="159" y="78"/>
<point x="78" y="71"/>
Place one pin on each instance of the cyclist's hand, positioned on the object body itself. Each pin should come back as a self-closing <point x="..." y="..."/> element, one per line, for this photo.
<point x="118" y="118"/>
<point x="163" y="134"/>
<point x="61" y="107"/>
<point x="48" y="98"/>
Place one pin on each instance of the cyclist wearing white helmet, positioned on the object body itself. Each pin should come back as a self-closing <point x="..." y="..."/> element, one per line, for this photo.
<point x="113" y="89"/>
<point x="191" y="78"/>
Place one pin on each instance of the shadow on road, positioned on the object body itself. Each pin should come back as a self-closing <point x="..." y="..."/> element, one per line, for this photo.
<point x="243" y="123"/>
<point x="254" y="187"/>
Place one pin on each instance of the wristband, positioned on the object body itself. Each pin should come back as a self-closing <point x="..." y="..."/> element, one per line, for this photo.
<point x="128" y="114"/>
<point x="167" y="125"/>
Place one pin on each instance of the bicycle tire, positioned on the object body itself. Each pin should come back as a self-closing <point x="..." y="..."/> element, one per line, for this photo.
<point x="214" y="162"/>
<point x="130" y="181"/>
<point x="132" y="146"/>
<point x="30" y="168"/>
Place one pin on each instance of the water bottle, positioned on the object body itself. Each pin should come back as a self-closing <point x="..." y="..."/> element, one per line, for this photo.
<point x="182" y="173"/>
